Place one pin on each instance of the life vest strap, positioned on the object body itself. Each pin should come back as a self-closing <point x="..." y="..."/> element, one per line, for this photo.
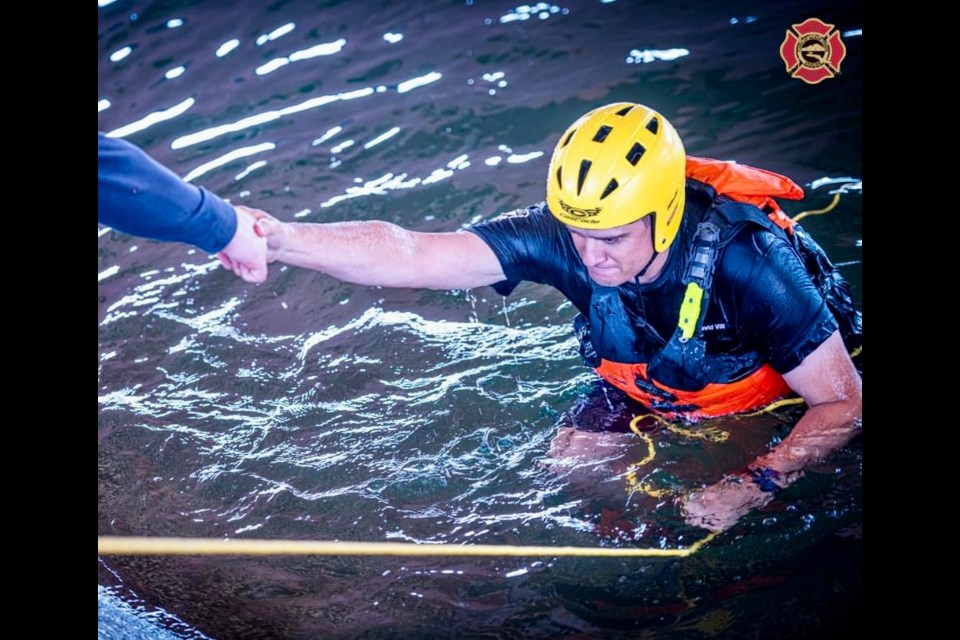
<point x="699" y="279"/>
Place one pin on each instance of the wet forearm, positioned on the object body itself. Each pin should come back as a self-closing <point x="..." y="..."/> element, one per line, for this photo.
<point x="822" y="429"/>
<point x="369" y="252"/>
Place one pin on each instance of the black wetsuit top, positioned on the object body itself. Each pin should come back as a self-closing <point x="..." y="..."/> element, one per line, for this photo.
<point x="763" y="304"/>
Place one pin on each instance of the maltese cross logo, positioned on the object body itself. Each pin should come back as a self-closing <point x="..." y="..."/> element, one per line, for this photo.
<point x="813" y="51"/>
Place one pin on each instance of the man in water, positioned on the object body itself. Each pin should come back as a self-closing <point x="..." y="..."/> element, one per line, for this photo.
<point x="697" y="296"/>
<point x="139" y="196"/>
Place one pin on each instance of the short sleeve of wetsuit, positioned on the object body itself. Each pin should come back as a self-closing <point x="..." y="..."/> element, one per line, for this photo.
<point x="530" y="245"/>
<point x="777" y="304"/>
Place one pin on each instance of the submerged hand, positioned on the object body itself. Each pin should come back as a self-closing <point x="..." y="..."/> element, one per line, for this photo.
<point x="719" y="506"/>
<point x="246" y="254"/>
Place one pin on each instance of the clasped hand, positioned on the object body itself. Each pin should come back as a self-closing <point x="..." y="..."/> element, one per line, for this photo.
<point x="256" y="243"/>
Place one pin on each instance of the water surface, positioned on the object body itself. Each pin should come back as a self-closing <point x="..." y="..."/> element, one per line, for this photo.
<point x="310" y="409"/>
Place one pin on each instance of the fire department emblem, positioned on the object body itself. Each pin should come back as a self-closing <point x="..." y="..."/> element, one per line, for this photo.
<point x="813" y="51"/>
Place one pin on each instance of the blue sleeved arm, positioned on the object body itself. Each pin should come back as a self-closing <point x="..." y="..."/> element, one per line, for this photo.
<point x="139" y="196"/>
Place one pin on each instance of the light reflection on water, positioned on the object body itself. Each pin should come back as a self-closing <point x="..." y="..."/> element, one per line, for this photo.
<point x="151" y="119"/>
<point x="306" y="408"/>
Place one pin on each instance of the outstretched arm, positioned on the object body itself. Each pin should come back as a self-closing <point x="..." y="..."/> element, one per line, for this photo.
<point x="833" y="391"/>
<point x="381" y="253"/>
<point x="139" y="196"/>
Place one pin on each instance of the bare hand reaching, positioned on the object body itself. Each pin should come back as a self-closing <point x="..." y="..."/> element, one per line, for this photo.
<point x="273" y="230"/>
<point x="246" y="254"/>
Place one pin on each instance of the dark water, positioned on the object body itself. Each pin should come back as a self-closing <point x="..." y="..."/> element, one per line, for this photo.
<point x="306" y="408"/>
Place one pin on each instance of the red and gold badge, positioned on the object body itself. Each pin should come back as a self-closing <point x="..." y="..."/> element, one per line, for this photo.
<point x="813" y="51"/>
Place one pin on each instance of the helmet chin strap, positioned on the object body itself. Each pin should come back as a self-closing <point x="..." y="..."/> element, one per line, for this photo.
<point x="653" y="257"/>
<point x="643" y="271"/>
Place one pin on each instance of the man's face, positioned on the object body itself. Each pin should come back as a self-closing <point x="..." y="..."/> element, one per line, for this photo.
<point x="614" y="256"/>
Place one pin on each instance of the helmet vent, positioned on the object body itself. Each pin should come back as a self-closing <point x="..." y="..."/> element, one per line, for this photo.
<point x="636" y="151"/>
<point x="584" y="168"/>
<point x="602" y="133"/>
<point x="610" y="189"/>
<point x="567" y="140"/>
<point x="672" y="207"/>
<point x="625" y="110"/>
<point x="560" y="177"/>
<point x="653" y="126"/>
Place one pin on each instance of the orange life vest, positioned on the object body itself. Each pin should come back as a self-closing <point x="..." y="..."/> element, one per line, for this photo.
<point x="762" y="386"/>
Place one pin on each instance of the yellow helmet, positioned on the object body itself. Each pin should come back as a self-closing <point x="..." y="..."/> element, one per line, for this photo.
<point x="615" y="165"/>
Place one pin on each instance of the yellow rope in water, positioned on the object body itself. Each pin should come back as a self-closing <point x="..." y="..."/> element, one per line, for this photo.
<point x="815" y="212"/>
<point x="142" y="546"/>
<point x="651" y="452"/>
<point x="785" y="402"/>
<point x="630" y="477"/>
<point x="711" y="434"/>
<point x="635" y="423"/>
